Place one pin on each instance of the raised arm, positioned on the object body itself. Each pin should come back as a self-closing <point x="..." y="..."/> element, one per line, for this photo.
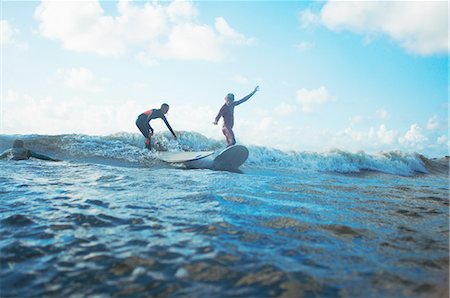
<point x="236" y="103"/>
<point x="168" y="126"/>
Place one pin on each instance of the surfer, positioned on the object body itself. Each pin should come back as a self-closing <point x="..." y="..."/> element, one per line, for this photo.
<point x="227" y="112"/>
<point x="19" y="152"/>
<point x="143" y="122"/>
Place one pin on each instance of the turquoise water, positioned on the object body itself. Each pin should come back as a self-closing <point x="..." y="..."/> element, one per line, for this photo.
<point x="281" y="228"/>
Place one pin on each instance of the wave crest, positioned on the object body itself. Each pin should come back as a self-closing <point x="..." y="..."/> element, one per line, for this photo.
<point x="128" y="148"/>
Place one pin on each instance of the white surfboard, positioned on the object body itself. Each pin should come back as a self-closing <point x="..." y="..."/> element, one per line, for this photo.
<point x="181" y="157"/>
<point x="228" y="159"/>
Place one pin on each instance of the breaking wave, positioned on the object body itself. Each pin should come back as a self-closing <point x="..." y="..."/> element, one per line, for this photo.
<point x="127" y="149"/>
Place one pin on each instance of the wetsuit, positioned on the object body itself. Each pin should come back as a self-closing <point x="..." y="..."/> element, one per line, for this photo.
<point x="143" y="123"/>
<point x="23" y="154"/>
<point x="227" y="112"/>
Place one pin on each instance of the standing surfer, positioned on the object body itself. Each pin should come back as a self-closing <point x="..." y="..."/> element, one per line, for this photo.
<point x="143" y="122"/>
<point x="227" y="112"/>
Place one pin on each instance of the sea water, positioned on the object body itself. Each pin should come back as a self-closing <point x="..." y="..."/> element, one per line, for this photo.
<point x="112" y="220"/>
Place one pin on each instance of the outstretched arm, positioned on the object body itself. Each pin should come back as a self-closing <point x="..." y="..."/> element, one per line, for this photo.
<point x="169" y="127"/>
<point x="236" y="103"/>
<point x="41" y="156"/>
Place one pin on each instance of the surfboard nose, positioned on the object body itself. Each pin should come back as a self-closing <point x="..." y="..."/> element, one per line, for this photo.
<point x="231" y="158"/>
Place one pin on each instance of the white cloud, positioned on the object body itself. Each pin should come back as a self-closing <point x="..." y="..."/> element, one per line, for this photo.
<point x="308" y="18"/>
<point x="387" y="136"/>
<point x="374" y="137"/>
<point x="180" y="10"/>
<point x="358" y="119"/>
<point x="384" y="139"/>
<point x="80" y="26"/>
<point x="442" y="139"/>
<point x="79" y="78"/>
<point x="310" y="98"/>
<point x="189" y="41"/>
<point x="147" y="59"/>
<point x="7" y="32"/>
<point x="420" y="27"/>
<point x="189" y="117"/>
<point x="354" y="135"/>
<point x="64" y="115"/>
<point x="158" y="31"/>
<point x="433" y="123"/>
<point x="304" y="46"/>
<point x="79" y="115"/>
<point x="284" y="109"/>
<point x="414" y="136"/>
<point x="265" y="131"/>
<point x="241" y="79"/>
<point x="382" y="114"/>
<point x="230" y="34"/>
<point x="378" y="115"/>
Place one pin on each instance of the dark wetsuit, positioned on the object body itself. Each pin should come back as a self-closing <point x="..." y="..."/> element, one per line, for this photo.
<point x="227" y="112"/>
<point x="143" y="123"/>
<point x="23" y="154"/>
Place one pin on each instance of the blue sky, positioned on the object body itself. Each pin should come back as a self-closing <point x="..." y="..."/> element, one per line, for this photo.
<point x="369" y="76"/>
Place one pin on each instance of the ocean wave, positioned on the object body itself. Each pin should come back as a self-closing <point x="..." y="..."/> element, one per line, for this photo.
<point x="335" y="160"/>
<point x="128" y="148"/>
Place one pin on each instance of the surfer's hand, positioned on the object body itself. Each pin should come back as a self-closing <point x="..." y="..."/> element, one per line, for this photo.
<point x="215" y="122"/>
<point x="175" y="137"/>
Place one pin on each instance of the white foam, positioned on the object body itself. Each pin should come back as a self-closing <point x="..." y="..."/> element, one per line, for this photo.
<point x="129" y="147"/>
<point x="394" y="162"/>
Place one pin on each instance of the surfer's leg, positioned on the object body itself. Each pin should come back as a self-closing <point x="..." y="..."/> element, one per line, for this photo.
<point x="226" y="134"/>
<point x="148" y="143"/>
<point x="232" y="139"/>
<point x="229" y="135"/>
<point x="144" y="127"/>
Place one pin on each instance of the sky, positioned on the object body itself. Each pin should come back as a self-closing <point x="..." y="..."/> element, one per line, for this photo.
<point x="357" y="76"/>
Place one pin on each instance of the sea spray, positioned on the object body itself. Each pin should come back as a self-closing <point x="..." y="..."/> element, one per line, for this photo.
<point x="129" y="148"/>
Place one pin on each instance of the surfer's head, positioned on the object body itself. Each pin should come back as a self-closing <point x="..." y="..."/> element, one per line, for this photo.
<point x="164" y="108"/>
<point x="18" y="144"/>
<point x="229" y="98"/>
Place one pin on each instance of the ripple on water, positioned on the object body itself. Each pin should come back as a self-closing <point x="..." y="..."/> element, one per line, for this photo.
<point x="205" y="271"/>
<point x="18" y="251"/>
<point x="390" y="283"/>
<point x="286" y="223"/>
<point x="127" y="265"/>
<point x="248" y="238"/>
<point x="87" y="220"/>
<point x="18" y="220"/>
<point x="344" y="231"/>
<point x="97" y="203"/>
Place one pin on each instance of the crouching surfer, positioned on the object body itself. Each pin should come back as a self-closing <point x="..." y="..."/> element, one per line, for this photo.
<point x="19" y="152"/>
<point x="143" y="123"/>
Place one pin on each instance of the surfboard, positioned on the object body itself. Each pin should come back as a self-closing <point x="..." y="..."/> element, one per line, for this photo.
<point x="230" y="158"/>
<point x="181" y="157"/>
